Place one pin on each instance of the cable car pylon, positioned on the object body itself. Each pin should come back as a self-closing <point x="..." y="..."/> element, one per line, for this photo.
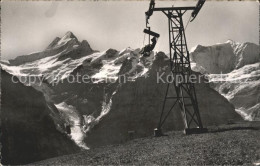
<point x="185" y="93"/>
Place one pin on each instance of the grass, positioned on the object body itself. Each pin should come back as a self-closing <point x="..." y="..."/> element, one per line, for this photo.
<point x="234" y="147"/>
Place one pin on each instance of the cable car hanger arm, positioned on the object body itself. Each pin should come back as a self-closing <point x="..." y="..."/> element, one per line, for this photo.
<point x="195" y="9"/>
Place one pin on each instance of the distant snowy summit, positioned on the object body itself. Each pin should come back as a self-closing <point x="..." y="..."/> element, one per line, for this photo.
<point x="225" y="57"/>
<point x="66" y="45"/>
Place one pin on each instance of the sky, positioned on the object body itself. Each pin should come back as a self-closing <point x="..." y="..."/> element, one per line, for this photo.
<point x="30" y="26"/>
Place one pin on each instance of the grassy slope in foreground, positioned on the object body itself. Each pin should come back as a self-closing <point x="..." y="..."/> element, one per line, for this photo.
<point x="230" y="148"/>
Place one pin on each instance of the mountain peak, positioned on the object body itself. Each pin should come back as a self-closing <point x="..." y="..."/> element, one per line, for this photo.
<point x="69" y="34"/>
<point x="54" y="43"/>
<point x="232" y="42"/>
<point x="68" y="37"/>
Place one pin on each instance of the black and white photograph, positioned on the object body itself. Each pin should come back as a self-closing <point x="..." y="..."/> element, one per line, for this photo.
<point x="130" y="82"/>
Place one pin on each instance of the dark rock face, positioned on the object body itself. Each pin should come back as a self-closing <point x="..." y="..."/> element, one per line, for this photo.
<point x="28" y="132"/>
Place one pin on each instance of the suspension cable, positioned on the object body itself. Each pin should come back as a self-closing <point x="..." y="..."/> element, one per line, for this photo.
<point x="187" y="23"/>
<point x="144" y="39"/>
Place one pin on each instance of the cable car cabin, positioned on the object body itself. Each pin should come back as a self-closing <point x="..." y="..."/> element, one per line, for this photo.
<point x="146" y="50"/>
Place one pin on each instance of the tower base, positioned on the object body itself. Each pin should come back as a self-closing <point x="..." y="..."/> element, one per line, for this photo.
<point x="158" y="132"/>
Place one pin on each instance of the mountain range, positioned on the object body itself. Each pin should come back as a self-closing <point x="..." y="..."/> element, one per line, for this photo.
<point x="121" y="99"/>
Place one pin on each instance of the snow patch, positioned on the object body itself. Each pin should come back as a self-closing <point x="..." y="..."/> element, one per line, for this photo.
<point x="77" y="134"/>
<point x="90" y="121"/>
<point x="108" y="72"/>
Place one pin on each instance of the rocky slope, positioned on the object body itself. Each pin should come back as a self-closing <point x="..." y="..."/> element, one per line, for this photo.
<point x="28" y="133"/>
<point x="112" y="96"/>
<point x="240" y="81"/>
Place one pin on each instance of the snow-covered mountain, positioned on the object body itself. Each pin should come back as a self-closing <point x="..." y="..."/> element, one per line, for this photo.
<point x="224" y="58"/>
<point x="67" y="46"/>
<point x="55" y="66"/>
<point x="116" y="96"/>
<point x="234" y="71"/>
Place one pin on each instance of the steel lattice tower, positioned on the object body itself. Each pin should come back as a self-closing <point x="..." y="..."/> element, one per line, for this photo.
<point x="185" y="93"/>
<point x="180" y="68"/>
